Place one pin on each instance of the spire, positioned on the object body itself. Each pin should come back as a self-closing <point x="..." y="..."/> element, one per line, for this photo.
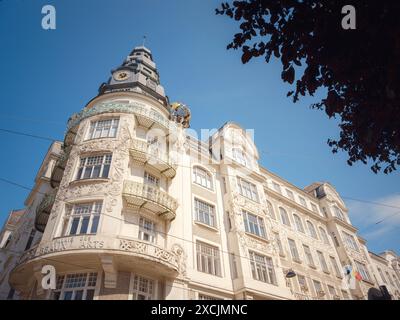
<point x="138" y="73"/>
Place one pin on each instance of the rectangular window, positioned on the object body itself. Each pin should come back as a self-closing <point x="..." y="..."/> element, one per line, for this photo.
<point x="94" y="167"/>
<point x="382" y="276"/>
<point x="290" y="194"/>
<point x="30" y="239"/>
<point x="303" y="202"/>
<point x="314" y="208"/>
<point x="322" y="262"/>
<point x="345" y="295"/>
<point x="277" y="187"/>
<point x="390" y="279"/>
<point x="350" y="241"/>
<point x="362" y="269"/>
<point x="77" y="286"/>
<point x="309" y="257"/>
<point x="82" y="218"/>
<point x="302" y="283"/>
<point x="335" y="267"/>
<point x="293" y="250"/>
<point x="204" y="212"/>
<point x="103" y="128"/>
<point x="143" y="288"/>
<point x="239" y="156"/>
<point x="254" y="224"/>
<point x="248" y="190"/>
<point x="262" y="268"/>
<point x="208" y="259"/>
<point x="318" y="289"/>
<point x="147" y="230"/>
<point x="332" y="292"/>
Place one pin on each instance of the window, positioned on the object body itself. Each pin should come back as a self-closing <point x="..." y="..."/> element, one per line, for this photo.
<point x="30" y="239"/>
<point x="350" y="241"/>
<point x="103" y="128"/>
<point x="262" y="268"/>
<point x="271" y="210"/>
<point x="311" y="230"/>
<point x="362" y="269"/>
<point x="335" y="267"/>
<point x="94" y="167"/>
<point x="247" y="189"/>
<point x="279" y="243"/>
<point x="322" y="262"/>
<point x="345" y="295"/>
<point x="8" y="241"/>
<point x="206" y="297"/>
<point x="147" y="230"/>
<point x="382" y="276"/>
<point x="303" y="202"/>
<point x="204" y="212"/>
<point x="143" y="288"/>
<point x="77" y="286"/>
<point x="314" y="208"/>
<point x="82" y="218"/>
<point x="302" y="282"/>
<point x="309" y="257"/>
<point x="239" y="156"/>
<point x="390" y="279"/>
<point x="338" y="213"/>
<point x="277" y="187"/>
<point x="324" y="235"/>
<point x="332" y="292"/>
<point x="318" y="288"/>
<point x="293" y="250"/>
<point x="208" y="260"/>
<point x="254" y="224"/>
<point x="298" y="224"/>
<point x="150" y="179"/>
<point x="324" y="212"/>
<point x="202" y="177"/>
<point x="290" y="194"/>
<point x="284" y="216"/>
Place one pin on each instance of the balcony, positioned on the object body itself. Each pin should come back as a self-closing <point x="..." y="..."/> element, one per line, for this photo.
<point x="59" y="168"/>
<point x="139" y="195"/>
<point x="43" y="211"/>
<point x="144" y="153"/>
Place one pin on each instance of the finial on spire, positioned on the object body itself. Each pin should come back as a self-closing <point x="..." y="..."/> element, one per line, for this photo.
<point x="144" y="40"/>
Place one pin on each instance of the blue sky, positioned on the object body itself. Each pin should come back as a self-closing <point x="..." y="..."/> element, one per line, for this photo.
<point x="46" y="76"/>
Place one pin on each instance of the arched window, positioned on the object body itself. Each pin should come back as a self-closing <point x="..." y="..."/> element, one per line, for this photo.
<point x="271" y="210"/>
<point x="298" y="224"/>
<point x="324" y="235"/>
<point x="311" y="230"/>
<point x="202" y="177"/>
<point x="338" y="213"/>
<point x="284" y="216"/>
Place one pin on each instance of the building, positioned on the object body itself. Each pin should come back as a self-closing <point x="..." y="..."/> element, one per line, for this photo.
<point x="130" y="206"/>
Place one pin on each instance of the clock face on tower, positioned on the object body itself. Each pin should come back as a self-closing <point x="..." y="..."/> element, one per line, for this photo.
<point x="121" y="75"/>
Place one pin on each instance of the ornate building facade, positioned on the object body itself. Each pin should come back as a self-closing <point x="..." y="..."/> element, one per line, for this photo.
<point x="129" y="206"/>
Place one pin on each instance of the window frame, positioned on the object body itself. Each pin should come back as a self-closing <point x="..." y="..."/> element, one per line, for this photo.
<point x="212" y="215"/>
<point x="263" y="271"/>
<point x="94" y="217"/>
<point x="61" y="286"/>
<point x="94" y="124"/>
<point x="208" y="263"/>
<point x="283" y="210"/>
<point x="143" y="231"/>
<point x="298" y="223"/>
<point x="253" y="226"/>
<point x="248" y="191"/>
<point x="105" y="166"/>
<point x="205" y="176"/>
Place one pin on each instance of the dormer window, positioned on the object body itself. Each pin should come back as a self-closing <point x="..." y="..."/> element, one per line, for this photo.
<point x="338" y="213"/>
<point x="239" y="156"/>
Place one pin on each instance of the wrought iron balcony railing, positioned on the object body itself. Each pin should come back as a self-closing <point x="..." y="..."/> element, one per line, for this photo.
<point x="151" y="198"/>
